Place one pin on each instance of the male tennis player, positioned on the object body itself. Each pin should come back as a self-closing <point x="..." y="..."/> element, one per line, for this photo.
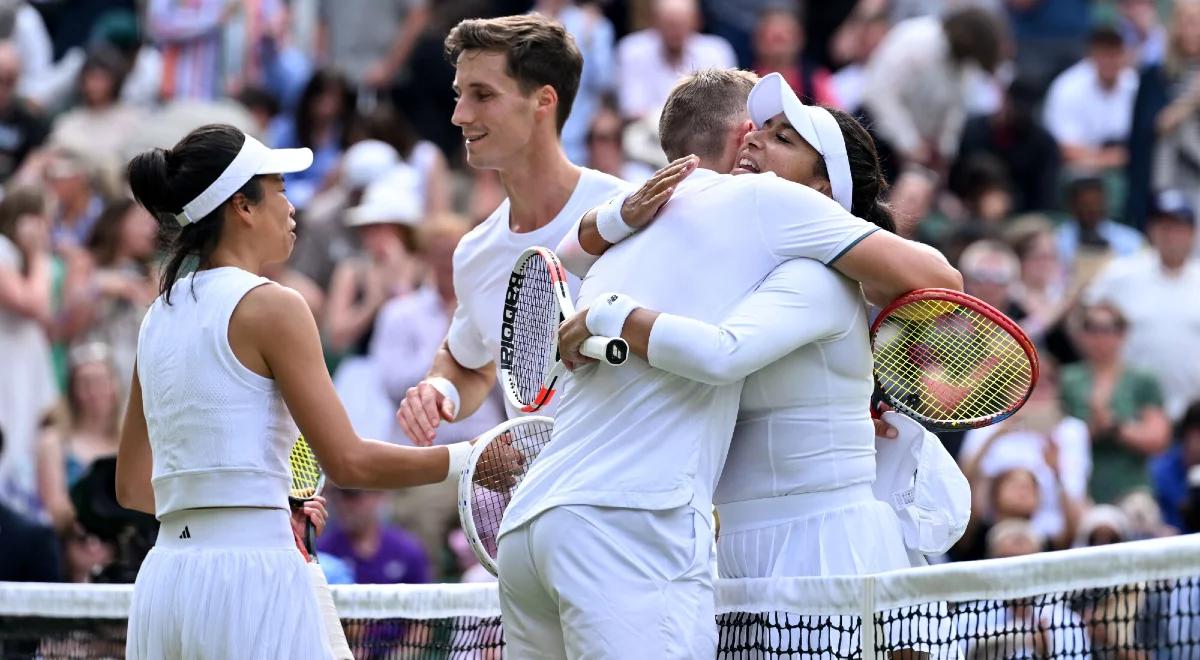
<point x="515" y="77"/>
<point x="604" y="550"/>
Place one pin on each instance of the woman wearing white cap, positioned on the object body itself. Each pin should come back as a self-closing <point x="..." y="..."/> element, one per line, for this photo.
<point x="225" y="360"/>
<point x="796" y="496"/>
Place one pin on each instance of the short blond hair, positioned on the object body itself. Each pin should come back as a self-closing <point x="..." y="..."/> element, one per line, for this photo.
<point x="700" y="110"/>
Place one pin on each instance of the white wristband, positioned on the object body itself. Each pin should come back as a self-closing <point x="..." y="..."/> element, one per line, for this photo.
<point x="460" y="453"/>
<point x="448" y="390"/>
<point x="607" y="313"/>
<point x="609" y="223"/>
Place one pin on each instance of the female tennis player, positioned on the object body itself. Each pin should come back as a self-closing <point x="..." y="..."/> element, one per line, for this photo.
<point x="796" y="494"/>
<point x="226" y="360"/>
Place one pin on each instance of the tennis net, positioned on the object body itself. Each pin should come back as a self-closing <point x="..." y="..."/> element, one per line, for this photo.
<point x="1133" y="600"/>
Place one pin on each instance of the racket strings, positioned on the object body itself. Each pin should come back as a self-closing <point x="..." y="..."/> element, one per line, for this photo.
<point x="946" y="361"/>
<point x="500" y="470"/>
<point x="535" y="325"/>
<point x="306" y="471"/>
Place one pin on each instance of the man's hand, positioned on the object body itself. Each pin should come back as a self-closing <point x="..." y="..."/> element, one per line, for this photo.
<point x="571" y="335"/>
<point x="421" y="411"/>
<point x="643" y="206"/>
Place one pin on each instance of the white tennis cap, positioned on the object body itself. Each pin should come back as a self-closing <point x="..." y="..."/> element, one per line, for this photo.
<point x="368" y="160"/>
<point x="253" y="159"/>
<point x="392" y="199"/>
<point x="771" y="96"/>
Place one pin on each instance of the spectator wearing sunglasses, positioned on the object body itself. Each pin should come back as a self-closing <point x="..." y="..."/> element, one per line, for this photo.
<point x="1122" y="406"/>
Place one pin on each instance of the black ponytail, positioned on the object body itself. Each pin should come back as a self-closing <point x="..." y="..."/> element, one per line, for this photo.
<point x="866" y="174"/>
<point x="163" y="180"/>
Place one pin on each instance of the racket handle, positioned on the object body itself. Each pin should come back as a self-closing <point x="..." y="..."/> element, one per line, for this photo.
<point x="612" y="350"/>
<point x="310" y="539"/>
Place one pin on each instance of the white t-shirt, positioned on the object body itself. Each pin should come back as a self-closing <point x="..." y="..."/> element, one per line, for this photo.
<point x="801" y="342"/>
<point x="642" y="438"/>
<point x="1081" y="112"/>
<point x="485" y="257"/>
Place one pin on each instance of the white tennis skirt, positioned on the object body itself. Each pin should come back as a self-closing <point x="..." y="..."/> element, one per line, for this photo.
<point x="225" y="583"/>
<point x="845" y="531"/>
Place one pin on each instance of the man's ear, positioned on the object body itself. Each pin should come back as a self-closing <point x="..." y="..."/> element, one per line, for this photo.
<point x="547" y="102"/>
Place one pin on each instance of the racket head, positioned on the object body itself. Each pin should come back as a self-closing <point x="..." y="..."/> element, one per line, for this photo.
<point x="495" y="469"/>
<point x="951" y="361"/>
<point x="535" y="303"/>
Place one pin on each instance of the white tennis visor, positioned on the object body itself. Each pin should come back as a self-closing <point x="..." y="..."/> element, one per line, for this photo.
<point x="820" y="130"/>
<point x="253" y="159"/>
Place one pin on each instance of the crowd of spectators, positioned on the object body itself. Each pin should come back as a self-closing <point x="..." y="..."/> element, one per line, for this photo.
<point x="1050" y="148"/>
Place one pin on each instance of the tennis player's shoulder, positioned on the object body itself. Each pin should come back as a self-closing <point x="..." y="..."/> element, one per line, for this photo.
<point x="271" y="305"/>
<point x="482" y="235"/>
<point x="775" y="187"/>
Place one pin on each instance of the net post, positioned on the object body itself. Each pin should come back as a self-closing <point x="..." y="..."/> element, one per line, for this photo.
<point x="867" y="617"/>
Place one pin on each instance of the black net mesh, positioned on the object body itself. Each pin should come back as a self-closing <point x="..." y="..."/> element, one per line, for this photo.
<point x="1150" y="620"/>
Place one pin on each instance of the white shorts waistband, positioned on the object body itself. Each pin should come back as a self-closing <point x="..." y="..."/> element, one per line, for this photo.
<point x="226" y="527"/>
<point x="750" y="514"/>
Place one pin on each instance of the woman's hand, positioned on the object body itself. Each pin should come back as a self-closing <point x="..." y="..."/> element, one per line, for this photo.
<point x="311" y="510"/>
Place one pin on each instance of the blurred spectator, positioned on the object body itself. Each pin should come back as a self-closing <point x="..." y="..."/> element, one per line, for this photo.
<point x="30" y="549"/>
<point x="321" y="122"/>
<point x="1050" y="36"/>
<point x="1089" y="107"/>
<point x="1041" y="289"/>
<point x="426" y="160"/>
<point x="408" y="333"/>
<point x="76" y="198"/>
<point x="779" y="48"/>
<point x="1013" y="537"/>
<point x="1167" y="95"/>
<point x="606" y="151"/>
<point x="380" y="553"/>
<point x="262" y="106"/>
<point x="1089" y="226"/>
<point x="1039" y="441"/>
<point x="120" y="29"/>
<point x="112" y="295"/>
<point x="89" y="432"/>
<point x="1103" y="524"/>
<point x="28" y="389"/>
<point x="852" y="47"/>
<point x="593" y="35"/>
<point x="1142" y="31"/>
<point x="258" y="51"/>
<point x="23" y="27"/>
<point x="370" y="41"/>
<point x="464" y="558"/>
<point x="1121" y="405"/>
<point x="102" y="125"/>
<point x="1155" y="291"/>
<point x="1176" y="475"/>
<point x="912" y="199"/>
<point x="22" y="128"/>
<point x="190" y="36"/>
<point x="651" y="61"/>
<point x="990" y="269"/>
<point x="1013" y="135"/>
<point x="917" y="83"/>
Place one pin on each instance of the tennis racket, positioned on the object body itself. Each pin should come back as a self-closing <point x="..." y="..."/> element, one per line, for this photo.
<point x="498" y="463"/>
<point x="536" y="302"/>
<point x="308" y="481"/>
<point x="951" y="361"/>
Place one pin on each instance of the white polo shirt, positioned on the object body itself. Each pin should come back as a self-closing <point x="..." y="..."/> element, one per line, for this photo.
<point x="641" y="438"/>
<point x="1081" y="112"/>
<point x="484" y="259"/>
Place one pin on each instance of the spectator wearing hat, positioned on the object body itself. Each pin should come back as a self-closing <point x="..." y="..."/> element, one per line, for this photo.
<point x="1089" y="231"/>
<point x="1122" y="405"/>
<point x="1090" y="105"/>
<point x="1156" y="292"/>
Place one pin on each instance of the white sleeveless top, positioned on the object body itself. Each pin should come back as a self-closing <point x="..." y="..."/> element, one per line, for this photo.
<point x="219" y="433"/>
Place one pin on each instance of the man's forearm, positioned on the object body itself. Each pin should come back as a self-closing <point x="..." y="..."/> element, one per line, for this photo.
<point x="589" y="237"/>
<point x="473" y="385"/>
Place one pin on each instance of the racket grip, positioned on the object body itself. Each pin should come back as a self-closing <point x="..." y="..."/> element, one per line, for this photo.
<point x="310" y="539"/>
<point x="612" y="350"/>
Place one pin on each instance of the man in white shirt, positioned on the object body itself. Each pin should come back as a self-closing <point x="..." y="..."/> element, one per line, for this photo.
<point x="651" y="61"/>
<point x="1156" y="291"/>
<point x="1089" y="107"/>
<point x="516" y="79"/>
<point x="605" y="547"/>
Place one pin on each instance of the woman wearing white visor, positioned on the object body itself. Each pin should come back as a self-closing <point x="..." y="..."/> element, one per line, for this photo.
<point x="226" y="359"/>
<point x="795" y="497"/>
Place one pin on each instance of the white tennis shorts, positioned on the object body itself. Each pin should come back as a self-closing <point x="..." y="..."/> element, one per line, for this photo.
<point x="595" y="582"/>
<point x="225" y="583"/>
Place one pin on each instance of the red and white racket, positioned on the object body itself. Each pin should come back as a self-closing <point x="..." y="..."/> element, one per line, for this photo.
<point x="536" y="302"/>
<point x="951" y="361"/>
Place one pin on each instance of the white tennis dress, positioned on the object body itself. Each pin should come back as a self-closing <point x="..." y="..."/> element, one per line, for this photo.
<point x="225" y="579"/>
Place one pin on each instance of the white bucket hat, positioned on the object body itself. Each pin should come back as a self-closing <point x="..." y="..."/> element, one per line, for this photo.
<point x="771" y="96"/>
<point x="253" y="159"/>
<point x="391" y="199"/>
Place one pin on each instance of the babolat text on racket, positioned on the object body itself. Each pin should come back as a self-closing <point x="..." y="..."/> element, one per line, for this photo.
<point x="498" y="463"/>
<point x="536" y="302"/>
<point x="951" y="361"/>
